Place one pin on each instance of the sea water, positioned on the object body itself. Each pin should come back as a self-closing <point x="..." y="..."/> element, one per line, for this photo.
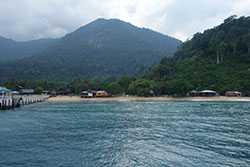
<point x="126" y="134"/>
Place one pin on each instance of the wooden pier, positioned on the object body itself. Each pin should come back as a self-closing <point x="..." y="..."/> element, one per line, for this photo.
<point x="13" y="101"/>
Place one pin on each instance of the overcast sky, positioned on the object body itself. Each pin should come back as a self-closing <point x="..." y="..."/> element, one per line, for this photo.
<point x="33" y="19"/>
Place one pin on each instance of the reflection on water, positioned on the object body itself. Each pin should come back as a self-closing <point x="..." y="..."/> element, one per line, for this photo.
<point x="124" y="134"/>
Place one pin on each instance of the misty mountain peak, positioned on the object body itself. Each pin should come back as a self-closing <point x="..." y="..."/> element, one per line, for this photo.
<point x="123" y="49"/>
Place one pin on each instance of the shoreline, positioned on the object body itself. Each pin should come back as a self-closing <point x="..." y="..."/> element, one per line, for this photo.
<point x="135" y="98"/>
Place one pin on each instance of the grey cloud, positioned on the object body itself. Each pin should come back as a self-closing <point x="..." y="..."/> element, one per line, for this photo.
<point x="32" y="19"/>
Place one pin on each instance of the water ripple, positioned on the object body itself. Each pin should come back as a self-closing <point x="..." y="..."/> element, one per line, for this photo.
<point x="125" y="134"/>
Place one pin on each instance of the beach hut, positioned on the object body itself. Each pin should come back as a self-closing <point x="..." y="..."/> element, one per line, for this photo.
<point x="102" y="93"/>
<point x="208" y="93"/>
<point x="86" y="94"/>
<point x="233" y="94"/>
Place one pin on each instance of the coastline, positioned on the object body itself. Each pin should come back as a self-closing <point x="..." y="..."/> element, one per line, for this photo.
<point x="135" y="98"/>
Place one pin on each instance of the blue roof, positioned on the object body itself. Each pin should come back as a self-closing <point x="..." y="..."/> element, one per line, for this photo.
<point x="4" y="90"/>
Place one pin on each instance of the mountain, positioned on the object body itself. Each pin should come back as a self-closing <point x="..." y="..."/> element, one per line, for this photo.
<point x="99" y="49"/>
<point x="217" y="59"/>
<point x="12" y="50"/>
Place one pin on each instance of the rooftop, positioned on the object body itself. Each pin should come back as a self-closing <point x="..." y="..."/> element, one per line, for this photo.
<point x="4" y="90"/>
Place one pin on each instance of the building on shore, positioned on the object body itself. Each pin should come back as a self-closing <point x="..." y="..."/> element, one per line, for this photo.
<point x="102" y="93"/>
<point x="63" y="92"/>
<point x="193" y="93"/>
<point x="92" y="94"/>
<point x="204" y="93"/>
<point x="208" y="93"/>
<point x="233" y="94"/>
<point x="45" y="92"/>
<point x="4" y="91"/>
<point x="15" y="93"/>
<point x="6" y="98"/>
<point x="27" y="91"/>
<point x="86" y="94"/>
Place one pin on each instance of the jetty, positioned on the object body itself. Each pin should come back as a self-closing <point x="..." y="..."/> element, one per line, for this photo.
<point x="11" y="100"/>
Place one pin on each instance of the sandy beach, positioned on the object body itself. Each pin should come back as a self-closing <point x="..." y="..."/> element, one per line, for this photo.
<point x="134" y="98"/>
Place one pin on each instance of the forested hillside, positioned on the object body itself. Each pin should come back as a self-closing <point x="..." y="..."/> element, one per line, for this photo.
<point x="217" y="59"/>
<point x="11" y="50"/>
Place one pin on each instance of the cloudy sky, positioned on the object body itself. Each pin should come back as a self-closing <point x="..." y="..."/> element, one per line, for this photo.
<point x="33" y="19"/>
